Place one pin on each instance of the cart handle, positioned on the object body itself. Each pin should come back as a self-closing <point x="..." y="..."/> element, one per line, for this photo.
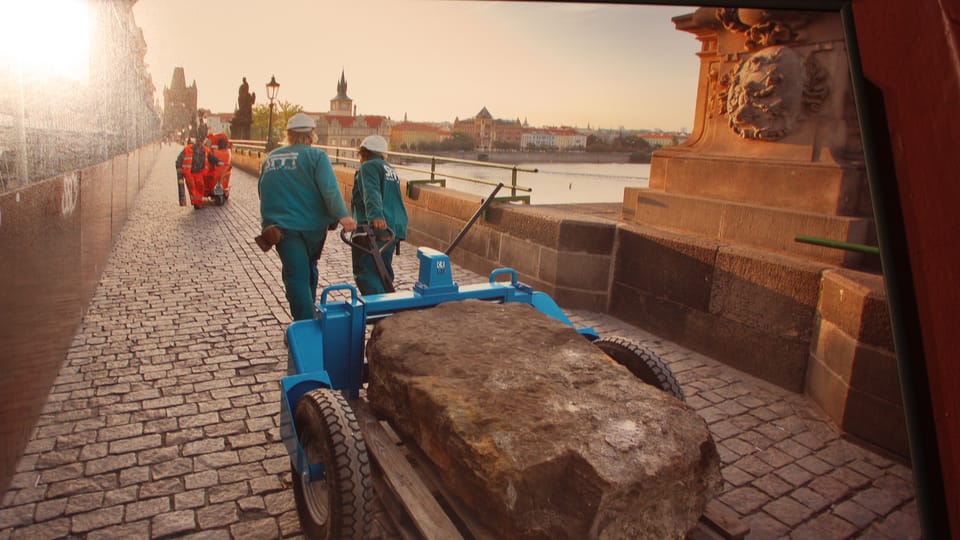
<point x="499" y="271"/>
<point x="340" y="287"/>
<point x="366" y="230"/>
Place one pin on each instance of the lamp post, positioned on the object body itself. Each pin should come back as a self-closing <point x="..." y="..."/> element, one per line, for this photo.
<point x="272" y="88"/>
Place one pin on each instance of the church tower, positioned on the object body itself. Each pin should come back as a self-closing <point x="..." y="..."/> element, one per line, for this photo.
<point x="179" y="104"/>
<point x="341" y="105"/>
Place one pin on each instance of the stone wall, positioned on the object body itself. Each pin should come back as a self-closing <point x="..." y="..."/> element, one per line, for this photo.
<point x="56" y="236"/>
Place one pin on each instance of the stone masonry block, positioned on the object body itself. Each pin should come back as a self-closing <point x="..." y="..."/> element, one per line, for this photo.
<point x="766" y="291"/>
<point x="857" y="303"/>
<point x="667" y="265"/>
<point x="776" y="359"/>
<point x="450" y="202"/>
<point x="526" y="223"/>
<point x="825" y="189"/>
<point x="576" y="270"/>
<point x="587" y="236"/>
<point x="521" y="255"/>
<point x="869" y="369"/>
<point x="877" y="421"/>
<point x="693" y="215"/>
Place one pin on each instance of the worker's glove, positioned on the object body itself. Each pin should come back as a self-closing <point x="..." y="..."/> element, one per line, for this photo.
<point x="269" y="237"/>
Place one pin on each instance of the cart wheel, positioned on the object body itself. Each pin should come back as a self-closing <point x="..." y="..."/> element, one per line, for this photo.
<point x="642" y="362"/>
<point x="341" y="504"/>
<point x="219" y="199"/>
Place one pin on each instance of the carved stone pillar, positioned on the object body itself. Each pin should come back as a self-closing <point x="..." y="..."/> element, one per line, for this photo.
<point x="775" y="134"/>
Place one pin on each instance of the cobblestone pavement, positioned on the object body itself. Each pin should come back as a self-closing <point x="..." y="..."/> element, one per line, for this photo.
<point x="163" y="420"/>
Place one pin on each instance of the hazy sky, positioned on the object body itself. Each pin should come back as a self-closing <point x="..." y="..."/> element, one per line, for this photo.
<point x="573" y="64"/>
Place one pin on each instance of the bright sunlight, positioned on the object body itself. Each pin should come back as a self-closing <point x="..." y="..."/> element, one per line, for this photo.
<point x="44" y="39"/>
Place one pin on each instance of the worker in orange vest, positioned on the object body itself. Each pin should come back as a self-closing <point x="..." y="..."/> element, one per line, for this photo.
<point x="195" y="162"/>
<point x="220" y="174"/>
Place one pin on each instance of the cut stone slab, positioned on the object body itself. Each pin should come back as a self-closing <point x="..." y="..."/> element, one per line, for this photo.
<point x="538" y="430"/>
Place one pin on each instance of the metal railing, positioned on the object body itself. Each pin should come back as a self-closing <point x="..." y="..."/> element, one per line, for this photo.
<point x="343" y="155"/>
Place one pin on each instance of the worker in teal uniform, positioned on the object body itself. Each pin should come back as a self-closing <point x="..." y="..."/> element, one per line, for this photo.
<point x="299" y="201"/>
<point x="377" y="200"/>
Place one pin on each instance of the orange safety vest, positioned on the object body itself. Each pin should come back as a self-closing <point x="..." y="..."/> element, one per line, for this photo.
<point x="187" y="166"/>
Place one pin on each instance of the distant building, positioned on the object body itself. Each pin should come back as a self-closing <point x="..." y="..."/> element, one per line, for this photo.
<point x="407" y="134"/>
<point x="562" y="139"/>
<point x="179" y="105"/>
<point x="660" y="139"/>
<point x="220" y="123"/>
<point x="489" y="133"/>
<point x="342" y="126"/>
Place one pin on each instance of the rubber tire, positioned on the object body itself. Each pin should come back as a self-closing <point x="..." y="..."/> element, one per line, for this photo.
<point x="341" y="505"/>
<point x="645" y="364"/>
<point x="219" y="200"/>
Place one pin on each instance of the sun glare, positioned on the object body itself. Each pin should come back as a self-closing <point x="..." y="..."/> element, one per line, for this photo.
<point x="46" y="39"/>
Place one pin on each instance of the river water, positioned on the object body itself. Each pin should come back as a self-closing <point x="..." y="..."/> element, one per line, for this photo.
<point x="554" y="183"/>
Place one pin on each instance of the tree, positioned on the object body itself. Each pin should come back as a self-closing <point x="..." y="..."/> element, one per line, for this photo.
<point x="282" y="111"/>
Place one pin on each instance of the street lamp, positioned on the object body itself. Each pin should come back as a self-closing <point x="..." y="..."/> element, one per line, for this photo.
<point x="272" y="88"/>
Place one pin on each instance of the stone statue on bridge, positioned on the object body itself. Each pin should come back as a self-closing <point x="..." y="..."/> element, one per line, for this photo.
<point x="243" y="117"/>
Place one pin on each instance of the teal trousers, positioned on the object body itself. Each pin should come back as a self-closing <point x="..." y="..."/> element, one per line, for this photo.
<point x="299" y="252"/>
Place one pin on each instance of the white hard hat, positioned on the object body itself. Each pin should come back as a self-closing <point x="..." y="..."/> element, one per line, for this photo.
<point x="375" y="143"/>
<point x="300" y="122"/>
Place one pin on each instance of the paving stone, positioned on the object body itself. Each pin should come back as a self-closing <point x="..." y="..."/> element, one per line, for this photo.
<point x="135" y="444"/>
<point x="110" y="463"/>
<point x="261" y="529"/>
<point x="877" y="500"/>
<point x="265" y="484"/>
<point x="794" y="475"/>
<point x="174" y="467"/>
<point x="49" y="509"/>
<point x="16" y="516"/>
<point x="216" y="460"/>
<point x="787" y="511"/>
<point x="96" y="519"/>
<point x="764" y="527"/>
<point x="772" y="486"/>
<point x="218" y="515"/>
<point x="855" y="513"/>
<point x="173" y="523"/>
<point x="824" y="527"/>
<point x="160" y="488"/>
<point x="84" y="503"/>
<point x="58" y="528"/>
<point x="190" y="499"/>
<point x="27" y="495"/>
<point x="216" y="534"/>
<point x="252" y="504"/>
<point x="140" y="529"/>
<point x="145" y="509"/>
<point x="811" y="499"/>
<point x="745" y="500"/>
<point x="227" y="492"/>
<point x="280" y="502"/>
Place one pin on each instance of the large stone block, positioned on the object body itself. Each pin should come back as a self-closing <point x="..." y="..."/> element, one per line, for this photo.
<point x="537" y="430"/>
<point x="804" y="186"/>
<point x="760" y="226"/>
<point x="671" y="266"/>
<point x="779" y="359"/>
<point x="857" y="303"/>
<point x="766" y="291"/>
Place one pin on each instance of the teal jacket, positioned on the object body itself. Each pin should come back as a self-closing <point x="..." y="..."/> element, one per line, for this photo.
<point x="377" y="195"/>
<point x="298" y="190"/>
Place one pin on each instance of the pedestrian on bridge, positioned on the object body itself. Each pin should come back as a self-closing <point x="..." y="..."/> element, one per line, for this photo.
<point x="300" y="201"/>
<point x="378" y="200"/>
